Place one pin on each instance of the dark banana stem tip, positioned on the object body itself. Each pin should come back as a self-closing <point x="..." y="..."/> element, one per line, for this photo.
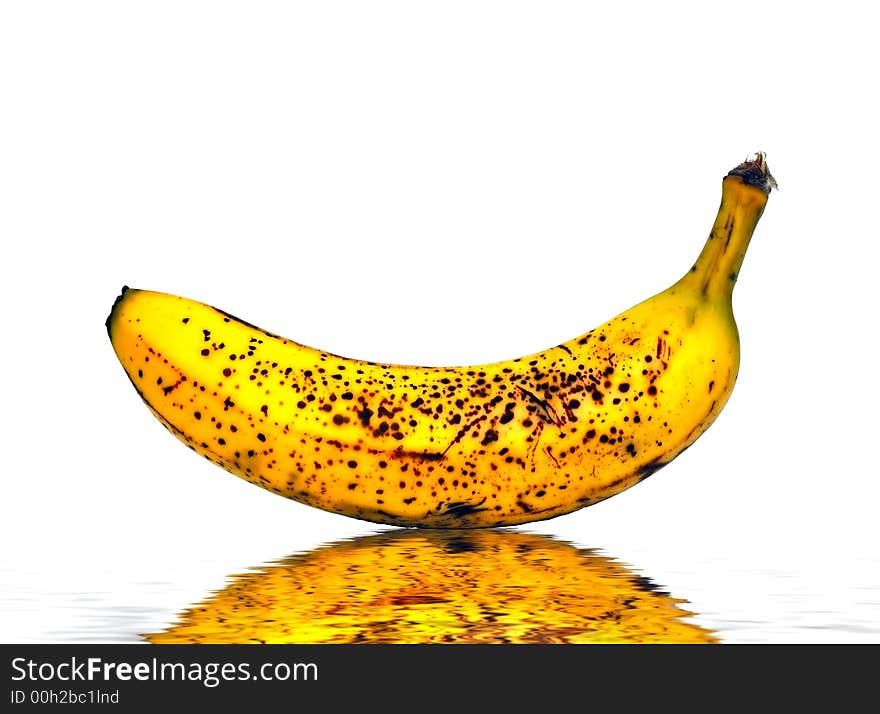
<point x="755" y="172"/>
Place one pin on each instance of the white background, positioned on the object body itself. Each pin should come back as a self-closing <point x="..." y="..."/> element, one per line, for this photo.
<point x="435" y="182"/>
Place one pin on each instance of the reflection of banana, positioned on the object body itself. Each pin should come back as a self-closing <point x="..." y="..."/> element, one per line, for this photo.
<point x="452" y="447"/>
<point x="439" y="587"/>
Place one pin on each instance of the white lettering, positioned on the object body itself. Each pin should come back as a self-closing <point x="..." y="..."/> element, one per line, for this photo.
<point x="17" y="666"/>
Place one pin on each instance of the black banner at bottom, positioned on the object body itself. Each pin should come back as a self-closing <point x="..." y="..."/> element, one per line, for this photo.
<point x="133" y="677"/>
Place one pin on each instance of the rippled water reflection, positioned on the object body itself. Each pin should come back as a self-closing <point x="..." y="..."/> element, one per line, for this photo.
<point x="467" y="586"/>
<point x="439" y="587"/>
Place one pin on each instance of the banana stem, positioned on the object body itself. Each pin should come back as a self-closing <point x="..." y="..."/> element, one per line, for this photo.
<point x="755" y="172"/>
<point x="743" y="197"/>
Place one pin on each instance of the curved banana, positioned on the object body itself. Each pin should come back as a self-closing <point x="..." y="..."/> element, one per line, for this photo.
<point x="452" y="447"/>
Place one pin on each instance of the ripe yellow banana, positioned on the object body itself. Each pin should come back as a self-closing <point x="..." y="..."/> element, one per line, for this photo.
<point x="421" y="587"/>
<point x="452" y="447"/>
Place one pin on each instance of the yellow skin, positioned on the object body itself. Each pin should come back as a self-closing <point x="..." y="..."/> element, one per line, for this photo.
<point x="452" y="447"/>
<point x="395" y="587"/>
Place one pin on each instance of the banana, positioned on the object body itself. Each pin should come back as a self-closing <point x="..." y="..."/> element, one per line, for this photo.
<point x="497" y="444"/>
<point x="439" y="587"/>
